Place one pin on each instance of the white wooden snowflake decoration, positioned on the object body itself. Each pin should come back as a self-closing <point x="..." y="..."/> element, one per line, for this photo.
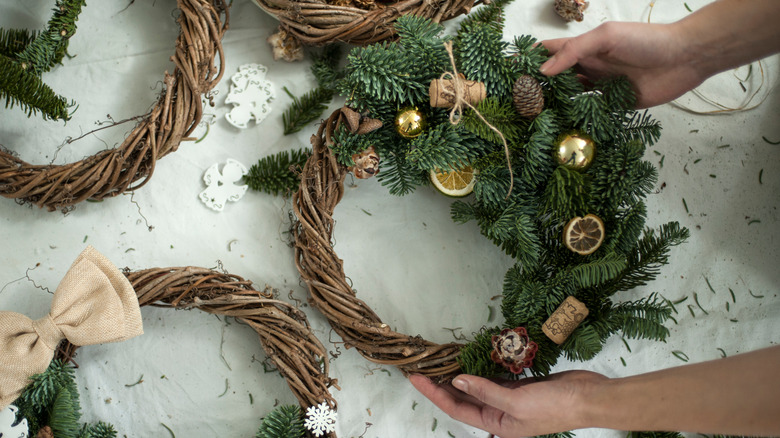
<point x="320" y="419"/>
<point x="250" y="94"/>
<point x="9" y="427"/>
<point x="221" y="186"/>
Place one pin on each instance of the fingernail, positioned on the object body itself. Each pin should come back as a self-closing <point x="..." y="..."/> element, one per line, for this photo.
<point x="547" y="66"/>
<point x="461" y="384"/>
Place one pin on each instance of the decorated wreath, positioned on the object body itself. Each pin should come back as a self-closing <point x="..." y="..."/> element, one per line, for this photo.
<point x="97" y="303"/>
<point x="200" y="63"/>
<point x="557" y="179"/>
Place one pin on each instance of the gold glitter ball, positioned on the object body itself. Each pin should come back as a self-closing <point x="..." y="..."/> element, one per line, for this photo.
<point x="410" y="122"/>
<point x="575" y="151"/>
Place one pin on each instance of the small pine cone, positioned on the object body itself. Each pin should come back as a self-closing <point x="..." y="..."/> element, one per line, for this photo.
<point x="366" y="163"/>
<point x="571" y="10"/>
<point x="45" y="432"/>
<point x="528" y="97"/>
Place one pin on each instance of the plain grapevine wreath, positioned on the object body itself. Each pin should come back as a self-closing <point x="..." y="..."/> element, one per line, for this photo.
<point x="283" y="329"/>
<point x="200" y="63"/>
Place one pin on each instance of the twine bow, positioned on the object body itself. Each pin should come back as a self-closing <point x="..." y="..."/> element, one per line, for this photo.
<point x="458" y="92"/>
<point x="93" y="304"/>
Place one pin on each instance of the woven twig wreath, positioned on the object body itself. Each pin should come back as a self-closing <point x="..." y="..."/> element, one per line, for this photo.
<point x="321" y="189"/>
<point x="283" y="329"/>
<point x="128" y="167"/>
<point x="316" y="22"/>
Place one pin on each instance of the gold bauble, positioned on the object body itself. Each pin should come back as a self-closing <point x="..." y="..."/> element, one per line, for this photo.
<point x="574" y="150"/>
<point x="410" y="122"/>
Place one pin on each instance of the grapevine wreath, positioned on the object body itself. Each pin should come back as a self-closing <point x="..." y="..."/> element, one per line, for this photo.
<point x="283" y="329"/>
<point x="558" y="183"/>
<point x="178" y="111"/>
<point x="317" y="22"/>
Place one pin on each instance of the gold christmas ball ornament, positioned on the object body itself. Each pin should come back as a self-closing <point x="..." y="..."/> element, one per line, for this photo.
<point x="575" y="150"/>
<point x="410" y="122"/>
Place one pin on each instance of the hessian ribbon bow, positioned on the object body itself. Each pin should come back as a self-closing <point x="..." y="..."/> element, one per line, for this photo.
<point x="93" y="304"/>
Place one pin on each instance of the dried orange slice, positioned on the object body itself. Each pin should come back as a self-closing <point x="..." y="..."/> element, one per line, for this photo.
<point x="455" y="183"/>
<point x="584" y="235"/>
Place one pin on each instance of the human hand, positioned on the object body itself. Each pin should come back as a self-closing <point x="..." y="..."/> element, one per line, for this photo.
<point x="654" y="58"/>
<point x="514" y="408"/>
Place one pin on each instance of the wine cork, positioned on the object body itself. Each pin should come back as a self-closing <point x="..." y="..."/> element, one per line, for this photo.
<point x="442" y="92"/>
<point x="564" y="320"/>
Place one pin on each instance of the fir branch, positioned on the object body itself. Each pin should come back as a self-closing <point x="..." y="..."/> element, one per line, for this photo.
<point x="589" y="112"/>
<point x="97" y="430"/>
<point x="286" y="421"/>
<point x="618" y="93"/>
<point x="492" y="182"/>
<point x="528" y="57"/>
<point x="14" y="41"/>
<point x="642" y="319"/>
<point x="20" y="87"/>
<point x="566" y="195"/>
<point x="398" y="175"/>
<point x="50" y="46"/>
<point x="501" y="115"/>
<point x="597" y="272"/>
<point x="442" y="147"/>
<point x="346" y="144"/>
<point x="583" y="344"/>
<point x="382" y="72"/>
<point x="491" y="14"/>
<point x="645" y="261"/>
<point x="627" y="228"/>
<point x="305" y="109"/>
<point x="474" y="357"/>
<point x="640" y="125"/>
<point x="277" y="174"/>
<point x="481" y="55"/>
<point x="538" y="166"/>
<point x="325" y="66"/>
<point x="63" y="418"/>
<point x="620" y="177"/>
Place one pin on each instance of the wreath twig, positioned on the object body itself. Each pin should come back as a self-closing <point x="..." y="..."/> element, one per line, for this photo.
<point x="283" y="329"/>
<point x="322" y="187"/>
<point x="128" y="167"/>
<point x="315" y="22"/>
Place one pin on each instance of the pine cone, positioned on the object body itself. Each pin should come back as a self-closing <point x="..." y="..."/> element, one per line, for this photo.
<point x="527" y="96"/>
<point x="45" y="432"/>
<point x="571" y="10"/>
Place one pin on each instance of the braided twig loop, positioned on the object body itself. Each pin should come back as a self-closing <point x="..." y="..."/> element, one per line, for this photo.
<point x="128" y="167"/>
<point x="321" y="189"/>
<point x="315" y="22"/>
<point x="283" y="329"/>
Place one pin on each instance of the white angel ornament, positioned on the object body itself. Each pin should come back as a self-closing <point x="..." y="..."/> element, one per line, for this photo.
<point x="250" y="94"/>
<point x="221" y="186"/>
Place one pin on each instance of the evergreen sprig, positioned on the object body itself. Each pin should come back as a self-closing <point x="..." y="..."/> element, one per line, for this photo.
<point x="19" y="87"/>
<point x="286" y="421"/>
<point x="51" y="45"/>
<point x="306" y="109"/>
<point x="277" y="174"/>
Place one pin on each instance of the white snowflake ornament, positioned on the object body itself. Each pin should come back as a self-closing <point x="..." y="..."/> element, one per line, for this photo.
<point x="250" y="94"/>
<point x="320" y="419"/>
<point x="221" y="186"/>
<point x="9" y="427"/>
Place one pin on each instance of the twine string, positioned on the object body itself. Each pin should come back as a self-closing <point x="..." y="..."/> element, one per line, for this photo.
<point x="458" y="92"/>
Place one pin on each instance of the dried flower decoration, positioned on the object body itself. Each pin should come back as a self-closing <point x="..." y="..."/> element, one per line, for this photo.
<point x="285" y="46"/>
<point x="513" y="350"/>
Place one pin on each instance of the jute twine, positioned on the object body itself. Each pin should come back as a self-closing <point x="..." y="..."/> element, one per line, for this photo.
<point x="316" y="22"/>
<point x="321" y="189"/>
<point x="128" y="167"/>
<point x="283" y="329"/>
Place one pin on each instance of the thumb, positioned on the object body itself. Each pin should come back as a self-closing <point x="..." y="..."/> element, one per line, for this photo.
<point x="486" y="391"/>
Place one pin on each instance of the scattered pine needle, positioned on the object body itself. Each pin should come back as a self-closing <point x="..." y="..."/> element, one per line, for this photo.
<point x="140" y="380"/>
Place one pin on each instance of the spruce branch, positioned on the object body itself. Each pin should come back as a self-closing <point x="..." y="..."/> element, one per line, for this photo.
<point x="277" y="174"/>
<point x="474" y="357"/>
<point x="501" y="115"/>
<point x="20" y="87"/>
<point x="325" y="66"/>
<point x="286" y="421"/>
<point x="305" y="109"/>
<point x="481" y="55"/>
<point x="642" y="319"/>
<point x="51" y="45"/>
<point x="491" y="14"/>
<point x="14" y="41"/>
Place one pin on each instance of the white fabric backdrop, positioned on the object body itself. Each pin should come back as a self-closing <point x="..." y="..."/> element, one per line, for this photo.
<point x="421" y="272"/>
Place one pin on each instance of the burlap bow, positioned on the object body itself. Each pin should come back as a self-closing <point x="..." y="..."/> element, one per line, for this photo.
<point x="93" y="304"/>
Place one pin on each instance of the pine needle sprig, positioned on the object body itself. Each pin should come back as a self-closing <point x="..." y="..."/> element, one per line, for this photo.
<point x="566" y="195"/>
<point x="501" y="115"/>
<point x="399" y="175"/>
<point x="481" y="55"/>
<point x="642" y="319"/>
<point x="491" y="14"/>
<point x="382" y="72"/>
<point x="442" y="147"/>
<point x="474" y="357"/>
<point x="20" y="87"/>
<point x="277" y="174"/>
<point x="306" y="109"/>
<point x="14" y="41"/>
<point x="527" y="57"/>
<point x="640" y="126"/>
<point x="325" y="66"/>
<point x="286" y="421"/>
<point x="51" y="45"/>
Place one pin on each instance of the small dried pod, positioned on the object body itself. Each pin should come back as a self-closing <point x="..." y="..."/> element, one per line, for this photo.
<point x="571" y="10"/>
<point x="285" y="46"/>
<point x="366" y="163"/>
